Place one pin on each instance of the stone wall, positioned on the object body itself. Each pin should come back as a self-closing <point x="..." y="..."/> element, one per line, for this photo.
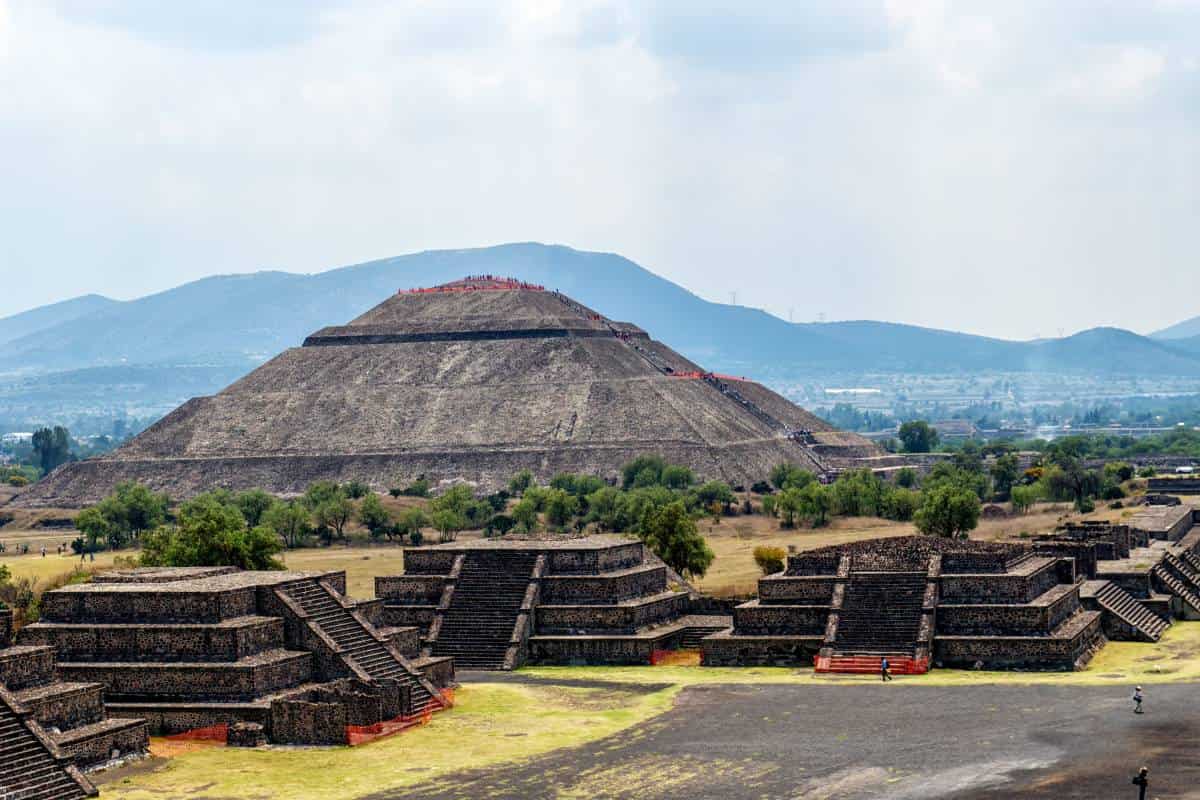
<point x="599" y="650"/>
<point x="159" y="643"/>
<point x="229" y="682"/>
<point x="415" y="589"/>
<point x="307" y="723"/>
<point x="1004" y="588"/>
<point x="627" y="618"/>
<point x="21" y="667"/>
<point x="816" y="590"/>
<point x="764" y="619"/>
<point x="6" y="627"/>
<point x="1068" y="652"/>
<point x="623" y="585"/>
<point x="1008" y="620"/>
<point x="724" y="650"/>
<point x="98" y="605"/>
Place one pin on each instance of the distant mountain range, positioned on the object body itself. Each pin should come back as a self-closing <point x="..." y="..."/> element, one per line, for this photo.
<point x="225" y="324"/>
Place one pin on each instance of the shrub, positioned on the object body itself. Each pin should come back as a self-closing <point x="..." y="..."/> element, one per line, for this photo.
<point x="1147" y="472"/>
<point x="395" y="491"/>
<point x="418" y="488"/>
<point x="356" y="490"/>
<point x="18" y="480"/>
<point x="906" y="478"/>
<point x="761" y="487"/>
<point x="520" y="482"/>
<point x="948" y="511"/>
<point x="769" y="559"/>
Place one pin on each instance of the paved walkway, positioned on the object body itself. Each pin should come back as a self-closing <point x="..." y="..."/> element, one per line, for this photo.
<point x="866" y="741"/>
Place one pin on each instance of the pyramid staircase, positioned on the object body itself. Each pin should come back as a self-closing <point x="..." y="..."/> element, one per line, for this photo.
<point x="31" y="765"/>
<point x="1182" y="580"/>
<point x="480" y="621"/>
<point x="1191" y="559"/>
<point x="359" y="641"/>
<point x="1125" y="607"/>
<point x="880" y="615"/>
<point x="70" y="713"/>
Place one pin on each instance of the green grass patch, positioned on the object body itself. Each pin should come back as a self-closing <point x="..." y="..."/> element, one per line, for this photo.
<point x="490" y="724"/>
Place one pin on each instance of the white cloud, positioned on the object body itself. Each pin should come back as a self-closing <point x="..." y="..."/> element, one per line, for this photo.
<point x="892" y="160"/>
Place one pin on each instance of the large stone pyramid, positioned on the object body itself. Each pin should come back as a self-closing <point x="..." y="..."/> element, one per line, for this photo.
<point x="476" y="380"/>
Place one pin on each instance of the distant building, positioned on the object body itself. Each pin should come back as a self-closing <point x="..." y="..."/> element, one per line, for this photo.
<point x="955" y="429"/>
<point x="16" y="438"/>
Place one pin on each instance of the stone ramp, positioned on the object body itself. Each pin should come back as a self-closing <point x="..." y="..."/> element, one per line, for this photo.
<point x="31" y="766"/>
<point x="479" y="623"/>
<point x="358" y="640"/>
<point x="1128" y="613"/>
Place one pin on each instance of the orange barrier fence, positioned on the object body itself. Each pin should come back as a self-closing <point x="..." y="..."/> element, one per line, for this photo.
<point x="362" y="734"/>
<point x="213" y="733"/>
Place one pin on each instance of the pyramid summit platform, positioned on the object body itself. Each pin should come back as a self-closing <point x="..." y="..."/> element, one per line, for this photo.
<point x="472" y="380"/>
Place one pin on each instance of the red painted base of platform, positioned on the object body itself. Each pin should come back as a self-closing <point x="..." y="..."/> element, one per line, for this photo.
<point x="870" y="665"/>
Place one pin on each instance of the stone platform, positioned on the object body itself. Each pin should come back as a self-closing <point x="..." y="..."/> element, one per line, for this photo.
<point x="916" y="600"/>
<point x="501" y="603"/>
<point x="204" y="647"/>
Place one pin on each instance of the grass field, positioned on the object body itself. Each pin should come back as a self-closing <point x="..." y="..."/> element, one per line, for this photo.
<point x="490" y="724"/>
<point x="495" y="723"/>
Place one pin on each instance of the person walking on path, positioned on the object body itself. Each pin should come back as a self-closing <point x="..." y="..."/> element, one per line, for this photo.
<point x="1142" y="781"/>
<point x="885" y="669"/>
<point x="1137" y="700"/>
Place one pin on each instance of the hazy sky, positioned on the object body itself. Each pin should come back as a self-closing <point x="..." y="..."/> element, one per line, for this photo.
<point x="1010" y="168"/>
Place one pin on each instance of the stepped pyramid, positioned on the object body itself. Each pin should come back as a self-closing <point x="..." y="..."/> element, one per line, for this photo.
<point x="475" y="379"/>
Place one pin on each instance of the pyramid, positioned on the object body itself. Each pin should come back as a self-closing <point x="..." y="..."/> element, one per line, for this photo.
<point x="474" y="380"/>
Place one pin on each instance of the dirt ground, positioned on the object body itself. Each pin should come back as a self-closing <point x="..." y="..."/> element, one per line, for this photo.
<point x="894" y="741"/>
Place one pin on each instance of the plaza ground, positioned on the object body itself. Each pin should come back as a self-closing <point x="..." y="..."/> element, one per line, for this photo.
<point x="687" y="731"/>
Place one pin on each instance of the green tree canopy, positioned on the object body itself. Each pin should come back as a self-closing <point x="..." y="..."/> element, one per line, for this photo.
<point x="52" y="447"/>
<point x="671" y="534"/>
<point x="291" y="522"/>
<point x="211" y="532"/>
<point x="918" y="436"/>
<point x="374" y="517"/>
<point x="787" y="475"/>
<point x="253" y="504"/>
<point x="948" y="511"/>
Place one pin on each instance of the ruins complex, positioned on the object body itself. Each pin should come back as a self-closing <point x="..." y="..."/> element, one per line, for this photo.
<point x="279" y="656"/>
<point x="498" y="604"/>
<point x="473" y="380"/>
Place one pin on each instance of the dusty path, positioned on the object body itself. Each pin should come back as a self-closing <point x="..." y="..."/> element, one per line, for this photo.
<point x="896" y="742"/>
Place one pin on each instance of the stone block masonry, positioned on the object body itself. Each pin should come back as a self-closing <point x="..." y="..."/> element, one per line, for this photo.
<point x="197" y="648"/>
<point x="913" y="599"/>
<point x="593" y="599"/>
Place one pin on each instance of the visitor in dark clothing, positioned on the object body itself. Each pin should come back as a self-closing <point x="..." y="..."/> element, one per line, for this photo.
<point x="885" y="669"/>
<point x="1142" y="781"/>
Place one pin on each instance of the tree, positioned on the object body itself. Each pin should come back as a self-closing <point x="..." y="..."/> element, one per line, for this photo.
<point x="787" y="475"/>
<point x="122" y="516"/>
<point x="1023" y="498"/>
<point x="1005" y="472"/>
<point x="290" y="521"/>
<point x="52" y="447"/>
<point x="643" y="471"/>
<point x="560" y="507"/>
<point x="410" y="523"/>
<point x="332" y="515"/>
<point x="675" y="476"/>
<point x="787" y="505"/>
<point x="520" y="482"/>
<point x="816" y="501"/>
<point x="253" y="504"/>
<point x="211" y="532"/>
<point x="857" y="493"/>
<point x="906" y="477"/>
<point x="715" y="493"/>
<point x="1071" y="479"/>
<point x="671" y="535"/>
<point x="356" y="490"/>
<point x="448" y="523"/>
<point x="374" y="517"/>
<point x="525" y="514"/>
<point x="899" y="504"/>
<point x="947" y="511"/>
<point x="918" y="436"/>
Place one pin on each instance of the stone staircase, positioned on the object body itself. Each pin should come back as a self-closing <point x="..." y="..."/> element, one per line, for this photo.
<point x="695" y="632"/>
<point x="1115" y="600"/>
<point x="359" y="640"/>
<point x="1191" y="559"/>
<point x="30" y="768"/>
<point x="1180" y="578"/>
<point x="478" y="625"/>
<point x="71" y="714"/>
<point x="880" y="614"/>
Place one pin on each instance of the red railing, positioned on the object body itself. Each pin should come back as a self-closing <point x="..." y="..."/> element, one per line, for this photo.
<point x="478" y="283"/>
